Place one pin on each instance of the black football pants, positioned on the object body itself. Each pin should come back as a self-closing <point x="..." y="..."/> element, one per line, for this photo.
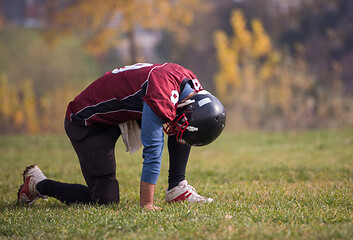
<point x="94" y="146"/>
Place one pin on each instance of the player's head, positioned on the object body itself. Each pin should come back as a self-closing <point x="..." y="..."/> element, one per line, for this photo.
<point x="199" y="120"/>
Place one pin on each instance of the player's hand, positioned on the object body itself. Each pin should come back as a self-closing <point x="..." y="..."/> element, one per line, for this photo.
<point x="150" y="207"/>
<point x="146" y="196"/>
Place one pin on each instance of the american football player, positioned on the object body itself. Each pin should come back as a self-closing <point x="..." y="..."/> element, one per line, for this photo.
<point x="137" y="102"/>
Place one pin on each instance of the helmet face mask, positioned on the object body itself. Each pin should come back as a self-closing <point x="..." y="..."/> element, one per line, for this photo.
<point x="199" y="120"/>
<point x="177" y="127"/>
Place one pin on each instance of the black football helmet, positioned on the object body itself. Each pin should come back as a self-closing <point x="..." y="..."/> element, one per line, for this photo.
<point x="199" y="120"/>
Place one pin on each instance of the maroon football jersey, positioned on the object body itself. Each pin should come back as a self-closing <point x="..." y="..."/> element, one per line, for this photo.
<point x="117" y="96"/>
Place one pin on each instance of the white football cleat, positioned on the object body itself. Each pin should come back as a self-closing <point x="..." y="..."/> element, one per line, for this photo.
<point x="28" y="193"/>
<point x="185" y="192"/>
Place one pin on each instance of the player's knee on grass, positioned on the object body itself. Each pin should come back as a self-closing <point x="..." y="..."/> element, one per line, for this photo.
<point x="106" y="190"/>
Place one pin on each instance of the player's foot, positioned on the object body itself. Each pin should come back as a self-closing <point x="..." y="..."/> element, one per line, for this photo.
<point x="185" y="192"/>
<point x="28" y="193"/>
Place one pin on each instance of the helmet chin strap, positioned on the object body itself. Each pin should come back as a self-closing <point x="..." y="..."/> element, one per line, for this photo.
<point x="192" y="129"/>
<point x="187" y="102"/>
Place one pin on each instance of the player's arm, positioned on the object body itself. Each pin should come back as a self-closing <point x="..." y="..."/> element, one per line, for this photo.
<point x="153" y="141"/>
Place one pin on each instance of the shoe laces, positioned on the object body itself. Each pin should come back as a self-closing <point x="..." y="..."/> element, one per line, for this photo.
<point x="191" y="187"/>
<point x="193" y="191"/>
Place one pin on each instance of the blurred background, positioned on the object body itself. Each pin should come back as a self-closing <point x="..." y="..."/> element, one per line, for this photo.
<point x="275" y="64"/>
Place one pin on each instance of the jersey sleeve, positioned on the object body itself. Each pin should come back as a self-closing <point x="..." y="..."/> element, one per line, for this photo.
<point x="162" y="95"/>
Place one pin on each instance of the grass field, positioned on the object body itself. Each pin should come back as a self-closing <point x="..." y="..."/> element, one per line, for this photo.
<point x="294" y="185"/>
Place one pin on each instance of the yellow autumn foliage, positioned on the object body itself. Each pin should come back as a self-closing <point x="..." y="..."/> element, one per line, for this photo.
<point x="29" y="107"/>
<point x="101" y="25"/>
<point x="22" y="111"/>
<point x="239" y="57"/>
<point x="263" y="88"/>
<point x="228" y="78"/>
<point x="11" y="115"/>
<point x="261" y="45"/>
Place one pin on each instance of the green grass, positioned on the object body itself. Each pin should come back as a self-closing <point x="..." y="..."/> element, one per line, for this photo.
<point x="294" y="185"/>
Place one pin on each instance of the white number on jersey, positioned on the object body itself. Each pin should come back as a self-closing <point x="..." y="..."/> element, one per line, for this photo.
<point x="131" y="67"/>
<point x="197" y="85"/>
<point x="174" y="98"/>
